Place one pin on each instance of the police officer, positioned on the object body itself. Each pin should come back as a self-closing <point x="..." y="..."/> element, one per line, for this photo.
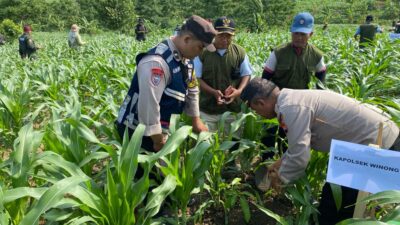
<point x="140" y="30"/>
<point x="367" y="31"/>
<point x="311" y="119"/>
<point x="222" y="75"/>
<point x="165" y="84"/>
<point x="292" y="65"/>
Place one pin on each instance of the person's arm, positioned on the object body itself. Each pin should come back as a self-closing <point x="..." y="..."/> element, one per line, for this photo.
<point x="192" y="105"/>
<point x="31" y="44"/>
<point x="218" y="95"/>
<point x="153" y="76"/>
<point x="297" y="121"/>
<point x="79" y="40"/>
<point x="379" y="29"/>
<point x="245" y="72"/>
<point x="357" y="33"/>
<point x="198" y="66"/>
<point x="269" y="66"/>
<point x="320" y="72"/>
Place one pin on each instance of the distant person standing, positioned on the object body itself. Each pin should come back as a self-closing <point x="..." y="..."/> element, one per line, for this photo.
<point x="396" y="32"/>
<point x="2" y="40"/>
<point x="367" y="31"/>
<point x="140" y="30"/>
<point x="74" y="38"/>
<point x="27" y="47"/>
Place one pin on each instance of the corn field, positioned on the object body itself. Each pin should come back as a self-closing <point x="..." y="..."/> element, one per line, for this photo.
<point x="62" y="161"/>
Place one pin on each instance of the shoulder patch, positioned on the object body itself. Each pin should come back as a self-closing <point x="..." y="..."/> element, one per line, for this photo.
<point x="156" y="75"/>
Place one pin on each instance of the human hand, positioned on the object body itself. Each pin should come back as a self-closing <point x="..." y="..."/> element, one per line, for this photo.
<point x="273" y="175"/>
<point x="230" y="94"/>
<point x="159" y="141"/>
<point x="219" y="97"/>
<point x="198" y="125"/>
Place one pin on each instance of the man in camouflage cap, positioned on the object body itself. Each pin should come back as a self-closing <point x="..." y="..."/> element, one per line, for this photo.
<point x="222" y="75"/>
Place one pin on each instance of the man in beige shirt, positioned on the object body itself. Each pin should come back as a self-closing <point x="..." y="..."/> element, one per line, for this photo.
<point x="311" y="119"/>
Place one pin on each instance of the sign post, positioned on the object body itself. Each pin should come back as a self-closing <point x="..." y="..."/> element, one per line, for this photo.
<point x="359" y="210"/>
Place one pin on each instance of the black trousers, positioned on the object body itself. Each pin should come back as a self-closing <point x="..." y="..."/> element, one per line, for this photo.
<point x="329" y="215"/>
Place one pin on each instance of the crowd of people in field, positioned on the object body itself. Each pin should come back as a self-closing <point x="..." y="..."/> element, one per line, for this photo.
<point x="202" y="72"/>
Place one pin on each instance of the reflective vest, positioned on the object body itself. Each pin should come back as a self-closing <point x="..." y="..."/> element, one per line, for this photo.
<point x="173" y="98"/>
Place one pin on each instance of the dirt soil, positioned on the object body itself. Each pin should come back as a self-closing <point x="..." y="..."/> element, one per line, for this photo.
<point x="278" y="204"/>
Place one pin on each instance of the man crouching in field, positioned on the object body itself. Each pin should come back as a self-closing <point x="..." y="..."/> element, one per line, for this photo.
<point x="311" y="119"/>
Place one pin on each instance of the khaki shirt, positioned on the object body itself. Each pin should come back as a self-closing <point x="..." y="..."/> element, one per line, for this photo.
<point x="150" y="96"/>
<point x="312" y="118"/>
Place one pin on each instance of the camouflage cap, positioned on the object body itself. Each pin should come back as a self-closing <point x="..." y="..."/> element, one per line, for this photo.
<point x="202" y="29"/>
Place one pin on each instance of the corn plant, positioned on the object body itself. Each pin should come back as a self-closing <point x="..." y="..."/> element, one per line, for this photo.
<point x="388" y="199"/>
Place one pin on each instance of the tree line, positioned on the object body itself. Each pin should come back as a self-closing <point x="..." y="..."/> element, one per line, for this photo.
<point x="250" y="15"/>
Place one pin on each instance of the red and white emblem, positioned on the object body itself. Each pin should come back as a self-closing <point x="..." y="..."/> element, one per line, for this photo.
<point x="156" y="75"/>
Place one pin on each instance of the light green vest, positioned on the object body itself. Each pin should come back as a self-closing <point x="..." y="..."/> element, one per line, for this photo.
<point x="293" y="71"/>
<point x="219" y="72"/>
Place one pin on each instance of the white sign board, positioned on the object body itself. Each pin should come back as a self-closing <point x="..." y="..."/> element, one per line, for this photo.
<point x="364" y="168"/>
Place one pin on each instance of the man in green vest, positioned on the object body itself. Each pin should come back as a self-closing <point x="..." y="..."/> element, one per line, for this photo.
<point x="222" y="75"/>
<point x="292" y="65"/>
<point x="27" y="47"/>
<point x="367" y="31"/>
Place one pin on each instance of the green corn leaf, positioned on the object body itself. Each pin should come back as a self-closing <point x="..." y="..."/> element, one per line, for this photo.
<point x="50" y="198"/>
<point x="271" y="214"/>
<point x="159" y="194"/>
<point x="245" y="209"/>
<point x="21" y="192"/>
